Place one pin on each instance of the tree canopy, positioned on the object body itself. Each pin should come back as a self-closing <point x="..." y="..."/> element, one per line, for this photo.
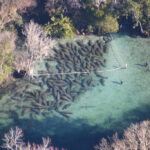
<point x="60" y="27"/>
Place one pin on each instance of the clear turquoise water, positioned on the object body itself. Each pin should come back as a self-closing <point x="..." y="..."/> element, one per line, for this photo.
<point x="100" y="111"/>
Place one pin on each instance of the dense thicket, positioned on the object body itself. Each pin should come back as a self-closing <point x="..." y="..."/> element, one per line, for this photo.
<point x="10" y="16"/>
<point x="102" y="16"/>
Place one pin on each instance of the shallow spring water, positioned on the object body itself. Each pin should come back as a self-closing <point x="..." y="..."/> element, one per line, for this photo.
<point x="101" y="110"/>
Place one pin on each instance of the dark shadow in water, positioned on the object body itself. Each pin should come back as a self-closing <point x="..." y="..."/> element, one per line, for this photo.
<point x="134" y="116"/>
<point x="147" y="69"/>
<point x="78" y="134"/>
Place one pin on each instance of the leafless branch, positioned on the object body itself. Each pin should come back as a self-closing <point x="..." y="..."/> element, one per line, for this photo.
<point x="14" y="141"/>
<point x="38" y="45"/>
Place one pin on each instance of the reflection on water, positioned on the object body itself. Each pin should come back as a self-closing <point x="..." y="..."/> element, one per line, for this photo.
<point x="76" y="110"/>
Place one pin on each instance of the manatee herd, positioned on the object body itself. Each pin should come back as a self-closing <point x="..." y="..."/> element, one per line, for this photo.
<point x="50" y="93"/>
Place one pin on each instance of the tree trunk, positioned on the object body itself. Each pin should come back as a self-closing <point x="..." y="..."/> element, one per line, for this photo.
<point x="141" y="28"/>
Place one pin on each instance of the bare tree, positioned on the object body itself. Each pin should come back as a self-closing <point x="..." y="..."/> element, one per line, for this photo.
<point x="14" y="141"/>
<point x="104" y="145"/>
<point x="44" y="146"/>
<point x="38" y="45"/>
<point x="136" y="137"/>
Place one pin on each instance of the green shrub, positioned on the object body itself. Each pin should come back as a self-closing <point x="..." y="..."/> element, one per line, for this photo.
<point x="6" y="56"/>
<point x="108" y="25"/>
<point x="60" y="27"/>
<point x="90" y="29"/>
<point x="11" y="28"/>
